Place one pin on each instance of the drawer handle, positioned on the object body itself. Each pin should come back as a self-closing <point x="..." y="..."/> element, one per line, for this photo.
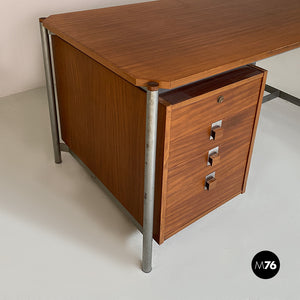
<point x="214" y="159"/>
<point x="211" y="183"/>
<point x="217" y="132"/>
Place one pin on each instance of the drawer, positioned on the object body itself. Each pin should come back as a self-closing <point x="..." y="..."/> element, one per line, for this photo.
<point x="192" y="119"/>
<point x="197" y="202"/>
<point x="197" y="140"/>
<point x="195" y="115"/>
<point x="232" y="149"/>
<point x="188" y="179"/>
<point x="190" y="141"/>
<point x="188" y="199"/>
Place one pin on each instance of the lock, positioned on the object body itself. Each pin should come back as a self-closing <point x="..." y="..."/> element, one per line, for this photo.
<point x="220" y="99"/>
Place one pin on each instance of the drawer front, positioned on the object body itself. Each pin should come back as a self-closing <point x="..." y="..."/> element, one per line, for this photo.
<point x="191" y="124"/>
<point x="187" y="199"/>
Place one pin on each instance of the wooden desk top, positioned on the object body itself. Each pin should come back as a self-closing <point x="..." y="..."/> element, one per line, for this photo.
<point x="181" y="41"/>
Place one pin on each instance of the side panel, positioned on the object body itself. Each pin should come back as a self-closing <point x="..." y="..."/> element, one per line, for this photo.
<point x="103" y="122"/>
<point x="258" y="107"/>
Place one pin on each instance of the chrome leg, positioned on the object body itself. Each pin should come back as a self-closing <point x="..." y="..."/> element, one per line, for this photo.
<point x="46" y="37"/>
<point x="149" y="176"/>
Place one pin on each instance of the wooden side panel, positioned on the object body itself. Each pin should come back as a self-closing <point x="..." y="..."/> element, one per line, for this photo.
<point x="258" y="107"/>
<point x="164" y="184"/>
<point x="103" y="122"/>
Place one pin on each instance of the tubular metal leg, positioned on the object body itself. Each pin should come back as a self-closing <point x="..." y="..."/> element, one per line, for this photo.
<point x="45" y="37"/>
<point x="149" y="177"/>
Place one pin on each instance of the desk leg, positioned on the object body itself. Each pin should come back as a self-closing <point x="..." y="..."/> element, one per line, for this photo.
<point x="46" y="44"/>
<point x="149" y="175"/>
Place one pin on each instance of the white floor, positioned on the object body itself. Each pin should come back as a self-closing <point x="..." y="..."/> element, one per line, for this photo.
<point x="61" y="236"/>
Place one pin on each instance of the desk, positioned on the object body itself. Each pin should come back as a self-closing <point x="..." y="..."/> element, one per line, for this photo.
<point x="106" y="61"/>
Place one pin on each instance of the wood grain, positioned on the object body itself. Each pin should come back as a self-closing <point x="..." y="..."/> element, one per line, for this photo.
<point x="103" y="122"/>
<point x="187" y="200"/>
<point x="190" y="142"/>
<point x="212" y="86"/>
<point x="257" y="114"/>
<point x="180" y="41"/>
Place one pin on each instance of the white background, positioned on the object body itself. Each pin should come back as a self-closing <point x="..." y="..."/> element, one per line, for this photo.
<point x="63" y="238"/>
<point x="21" y="65"/>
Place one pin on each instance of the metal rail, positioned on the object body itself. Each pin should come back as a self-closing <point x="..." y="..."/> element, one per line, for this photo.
<point x="150" y="143"/>
<point x="276" y="93"/>
<point x="149" y="175"/>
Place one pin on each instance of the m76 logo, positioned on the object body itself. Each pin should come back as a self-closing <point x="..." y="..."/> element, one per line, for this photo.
<point x="265" y="265"/>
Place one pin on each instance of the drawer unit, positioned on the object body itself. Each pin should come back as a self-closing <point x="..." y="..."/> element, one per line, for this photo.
<point x="205" y="169"/>
<point x="204" y="141"/>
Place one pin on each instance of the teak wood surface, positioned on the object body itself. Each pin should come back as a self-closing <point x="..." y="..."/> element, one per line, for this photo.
<point x="187" y="200"/>
<point x="103" y="119"/>
<point x="103" y="122"/>
<point x="175" y="42"/>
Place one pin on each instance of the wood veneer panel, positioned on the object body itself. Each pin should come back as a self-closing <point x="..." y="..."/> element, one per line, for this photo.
<point x="257" y="114"/>
<point x="103" y="122"/>
<point x="187" y="200"/>
<point x="180" y="41"/>
<point x="211" y="86"/>
<point x="189" y="145"/>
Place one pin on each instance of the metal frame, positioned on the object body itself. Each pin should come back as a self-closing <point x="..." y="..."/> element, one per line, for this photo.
<point x="149" y="175"/>
<point x="274" y="93"/>
<point x="106" y="190"/>
<point x="150" y="142"/>
<point x="51" y="91"/>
